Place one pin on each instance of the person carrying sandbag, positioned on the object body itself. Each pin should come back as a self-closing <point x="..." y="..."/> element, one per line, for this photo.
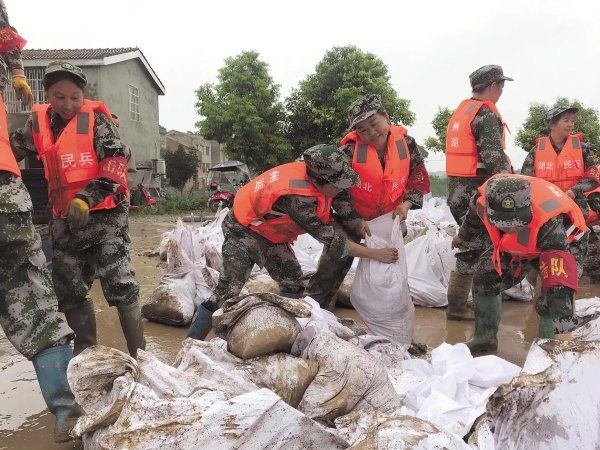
<point x="269" y="213"/>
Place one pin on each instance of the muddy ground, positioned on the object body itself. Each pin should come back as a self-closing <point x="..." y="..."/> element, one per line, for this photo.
<point x="26" y="424"/>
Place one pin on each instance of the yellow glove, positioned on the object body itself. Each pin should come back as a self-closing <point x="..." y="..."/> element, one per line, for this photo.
<point x="78" y="213"/>
<point x="22" y="89"/>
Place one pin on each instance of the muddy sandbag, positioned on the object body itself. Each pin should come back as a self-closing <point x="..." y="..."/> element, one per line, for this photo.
<point x="101" y="379"/>
<point x="262" y="331"/>
<point x="342" y="296"/>
<point x="553" y="404"/>
<point x="260" y="283"/>
<point x="259" y="324"/>
<point x="214" y="258"/>
<point x="349" y="379"/>
<point x="374" y="430"/>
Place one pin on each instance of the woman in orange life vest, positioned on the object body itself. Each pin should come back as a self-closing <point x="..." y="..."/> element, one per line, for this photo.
<point x="518" y="223"/>
<point x="393" y="179"/>
<point x="269" y="213"/>
<point x="85" y="164"/>
<point x="565" y="160"/>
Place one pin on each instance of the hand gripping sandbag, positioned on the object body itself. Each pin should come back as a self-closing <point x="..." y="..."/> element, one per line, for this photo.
<point x="380" y="292"/>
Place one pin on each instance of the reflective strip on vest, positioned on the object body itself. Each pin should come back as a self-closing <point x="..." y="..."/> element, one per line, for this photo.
<point x="361" y="157"/>
<point x="402" y="150"/>
<point x="299" y="184"/>
<point x="83" y="123"/>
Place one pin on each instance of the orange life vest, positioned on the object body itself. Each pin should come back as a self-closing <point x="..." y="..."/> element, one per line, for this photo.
<point x="253" y="203"/>
<point x="564" y="169"/>
<point x="461" y="151"/>
<point x="70" y="163"/>
<point x="379" y="191"/>
<point x="547" y="201"/>
<point x="8" y="163"/>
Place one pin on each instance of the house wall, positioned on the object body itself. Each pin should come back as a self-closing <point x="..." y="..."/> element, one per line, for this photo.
<point x="142" y="136"/>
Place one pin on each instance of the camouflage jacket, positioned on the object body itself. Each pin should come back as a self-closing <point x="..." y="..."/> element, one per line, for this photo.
<point x="107" y="144"/>
<point x="589" y="160"/>
<point x="342" y="203"/>
<point x="11" y="59"/>
<point x="303" y="210"/>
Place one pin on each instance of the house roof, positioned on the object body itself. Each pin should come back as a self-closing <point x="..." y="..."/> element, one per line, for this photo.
<point x="90" y="57"/>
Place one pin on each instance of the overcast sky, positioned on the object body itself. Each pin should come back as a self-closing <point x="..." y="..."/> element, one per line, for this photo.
<point x="550" y="47"/>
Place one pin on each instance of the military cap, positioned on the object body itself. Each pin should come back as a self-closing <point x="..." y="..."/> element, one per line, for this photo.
<point x="329" y="164"/>
<point x="363" y="108"/>
<point x="487" y="75"/>
<point x="508" y="201"/>
<point x="556" y="111"/>
<point x="63" y="66"/>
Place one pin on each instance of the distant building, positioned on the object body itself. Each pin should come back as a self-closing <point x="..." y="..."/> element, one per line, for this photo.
<point x="209" y="151"/>
<point x="124" y="80"/>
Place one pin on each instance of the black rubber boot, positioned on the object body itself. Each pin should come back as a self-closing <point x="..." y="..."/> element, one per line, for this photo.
<point x="82" y="320"/>
<point x="130" y="317"/>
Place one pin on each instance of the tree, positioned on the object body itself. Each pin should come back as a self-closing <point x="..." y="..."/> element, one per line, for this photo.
<point x="181" y="166"/>
<point x="534" y="126"/>
<point x="440" y="125"/>
<point x="317" y="108"/>
<point x="243" y="111"/>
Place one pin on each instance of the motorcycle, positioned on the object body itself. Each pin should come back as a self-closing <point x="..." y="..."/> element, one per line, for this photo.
<point x="220" y="198"/>
<point x="140" y="196"/>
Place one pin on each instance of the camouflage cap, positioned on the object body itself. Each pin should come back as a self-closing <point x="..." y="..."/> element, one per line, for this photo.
<point x="63" y="66"/>
<point x="508" y="201"/>
<point x="487" y="75"/>
<point x="556" y="111"/>
<point x="329" y="164"/>
<point x="363" y="108"/>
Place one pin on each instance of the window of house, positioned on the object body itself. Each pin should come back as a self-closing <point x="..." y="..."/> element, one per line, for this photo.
<point x="207" y="150"/>
<point x="134" y="103"/>
<point x="34" y="75"/>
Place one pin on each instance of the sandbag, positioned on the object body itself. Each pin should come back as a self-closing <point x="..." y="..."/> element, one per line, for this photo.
<point x="380" y="291"/>
<point x="374" y="430"/>
<point x="349" y="379"/>
<point x="553" y="404"/>
<point x="259" y="324"/>
<point x="261" y="331"/>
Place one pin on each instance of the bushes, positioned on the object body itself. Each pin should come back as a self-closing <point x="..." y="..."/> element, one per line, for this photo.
<point x="174" y="203"/>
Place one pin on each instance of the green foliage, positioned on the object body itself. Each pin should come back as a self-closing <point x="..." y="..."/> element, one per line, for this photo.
<point x="440" y="125"/>
<point x="175" y="203"/>
<point x="438" y="186"/>
<point x="181" y="166"/>
<point x="317" y="109"/>
<point x="243" y="111"/>
<point x="534" y="126"/>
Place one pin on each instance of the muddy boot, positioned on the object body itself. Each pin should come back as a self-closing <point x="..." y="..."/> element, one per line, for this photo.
<point x="82" y="321"/>
<point x="51" y="369"/>
<point x="131" y="322"/>
<point x="201" y="323"/>
<point x="488" y="310"/>
<point x="459" y="287"/>
<point x="546" y="328"/>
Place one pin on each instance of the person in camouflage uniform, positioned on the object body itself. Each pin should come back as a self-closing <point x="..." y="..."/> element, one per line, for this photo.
<point x="330" y="273"/>
<point x="28" y="305"/>
<point x="85" y="243"/>
<point x="508" y="208"/>
<point x="327" y="170"/>
<point x="558" y="134"/>
<point x="486" y="128"/>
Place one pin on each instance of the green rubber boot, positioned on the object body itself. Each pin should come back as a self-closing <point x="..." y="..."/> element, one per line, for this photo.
<point x="488" y="309"/>
<point x="546" y="329"/>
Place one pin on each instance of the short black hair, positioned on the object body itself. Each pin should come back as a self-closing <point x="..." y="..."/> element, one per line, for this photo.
<point x="55" y="77"/>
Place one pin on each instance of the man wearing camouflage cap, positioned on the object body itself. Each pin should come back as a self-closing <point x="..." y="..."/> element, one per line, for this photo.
<point x="28" y="304"/>
<point x="474" y="152"/>
<point x="517" y="223"/>
<point x="563" y="158"/>
<point x="393" y="179"/>
<point x="269" y="213"/>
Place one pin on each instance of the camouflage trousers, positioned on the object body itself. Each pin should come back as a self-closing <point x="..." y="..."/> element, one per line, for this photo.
<point x="100" y="249"/>
<point x="460" y="192"/>
<point x="242" y="249"/>
<point x="28" y="306"/>
<point x="559" y="302"/>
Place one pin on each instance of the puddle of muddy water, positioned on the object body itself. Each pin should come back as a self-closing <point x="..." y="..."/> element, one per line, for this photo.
<point x="25" y="424"/>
